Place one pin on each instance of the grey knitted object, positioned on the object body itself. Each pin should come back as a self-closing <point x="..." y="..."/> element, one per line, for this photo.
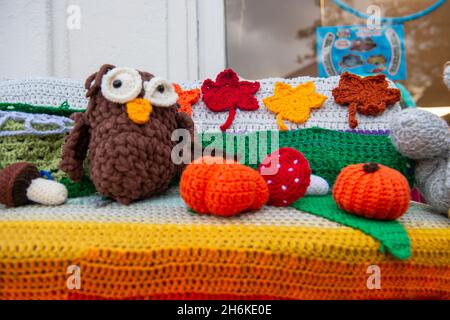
<point x="419" y="134"/>
<point x="423" y="136"/>
<point x="447" y="74"/>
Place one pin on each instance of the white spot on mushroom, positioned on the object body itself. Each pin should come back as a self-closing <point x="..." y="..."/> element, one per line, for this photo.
<point x="290" y="169"/>
<point x="269" y="181"/>
<point x="284" y="187"/>
<point x="278" y="165"/>
<point x="296" y="180"/>
<point x="284" y="201"/>
<point x="295" y="161"/>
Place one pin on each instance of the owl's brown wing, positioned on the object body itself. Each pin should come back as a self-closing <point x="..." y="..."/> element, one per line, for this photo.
<point x="184" y="121"/>
<point x="75" y="148"/>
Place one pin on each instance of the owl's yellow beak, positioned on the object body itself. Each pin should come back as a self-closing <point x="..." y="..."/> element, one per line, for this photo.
<point x="139" y="110"/>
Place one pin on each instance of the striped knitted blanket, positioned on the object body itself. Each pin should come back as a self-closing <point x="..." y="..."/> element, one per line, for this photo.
<point x="158" y="249"/>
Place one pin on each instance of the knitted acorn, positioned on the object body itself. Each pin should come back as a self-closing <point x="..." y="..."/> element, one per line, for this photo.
<point x="210" y="185"/>
<point x="372" y="190"/>
<point x="287" y="174"/>
<point x="20" y="184"/>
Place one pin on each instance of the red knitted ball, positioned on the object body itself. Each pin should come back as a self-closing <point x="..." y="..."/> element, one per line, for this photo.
<point x="287" y="173"/>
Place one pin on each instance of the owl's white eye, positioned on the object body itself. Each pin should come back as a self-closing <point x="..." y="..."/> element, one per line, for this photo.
<point x="121" y="85"/>
<point x="160" y="92"/>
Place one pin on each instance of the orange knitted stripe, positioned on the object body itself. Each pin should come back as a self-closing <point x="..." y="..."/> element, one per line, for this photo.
<point x="179" y="296"/>
<point x="120" y="275"/>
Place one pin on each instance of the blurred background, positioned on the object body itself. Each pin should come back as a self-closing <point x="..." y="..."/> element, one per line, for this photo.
<point x="194" y="39"/>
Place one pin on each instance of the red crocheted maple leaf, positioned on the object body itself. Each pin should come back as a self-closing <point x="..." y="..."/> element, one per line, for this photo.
<point x="227" y="93"/>
<point x="368" y="96"/>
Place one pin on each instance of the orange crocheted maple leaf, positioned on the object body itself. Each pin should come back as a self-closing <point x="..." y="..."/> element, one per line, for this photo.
<point x="186" y="98"/>
<point x="368" y="96"/>
<point x="293" y="104"/>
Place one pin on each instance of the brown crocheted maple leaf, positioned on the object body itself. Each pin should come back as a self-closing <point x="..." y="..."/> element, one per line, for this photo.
<point x="368" y="96"/>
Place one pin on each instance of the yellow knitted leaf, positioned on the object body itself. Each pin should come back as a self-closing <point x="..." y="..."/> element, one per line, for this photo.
<point x="293" y="104"/>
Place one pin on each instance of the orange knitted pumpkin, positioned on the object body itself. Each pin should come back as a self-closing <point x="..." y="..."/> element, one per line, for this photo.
<point x="210" y="186"/>
<point x="373" y="191"/>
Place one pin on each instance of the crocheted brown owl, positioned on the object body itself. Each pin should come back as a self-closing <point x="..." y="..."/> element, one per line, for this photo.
<point x="127" y="128"/>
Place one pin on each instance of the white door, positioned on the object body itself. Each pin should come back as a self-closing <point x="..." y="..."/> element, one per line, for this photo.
<point x="178" y="39"/>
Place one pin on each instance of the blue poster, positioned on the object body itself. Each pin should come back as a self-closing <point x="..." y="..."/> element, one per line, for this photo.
<point x="361" y="50"/>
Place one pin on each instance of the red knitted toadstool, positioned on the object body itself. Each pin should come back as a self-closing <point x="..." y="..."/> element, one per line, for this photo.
<point x="287" y="173"/>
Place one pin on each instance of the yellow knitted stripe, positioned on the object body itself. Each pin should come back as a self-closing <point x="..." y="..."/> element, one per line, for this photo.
<point x="68" y="240"/>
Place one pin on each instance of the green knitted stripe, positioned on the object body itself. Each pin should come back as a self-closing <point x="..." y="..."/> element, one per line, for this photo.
<point x="391" y="234"/>
<point x="44" y="152"/>
<point x="327" y="151"/>
<point x="63" y="110"/>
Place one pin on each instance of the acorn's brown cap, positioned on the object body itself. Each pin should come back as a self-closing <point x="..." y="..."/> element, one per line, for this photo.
<point x="14" y="182"/>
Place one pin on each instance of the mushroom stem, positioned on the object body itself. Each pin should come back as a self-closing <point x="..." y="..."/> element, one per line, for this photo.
<point x="47" y="192"/>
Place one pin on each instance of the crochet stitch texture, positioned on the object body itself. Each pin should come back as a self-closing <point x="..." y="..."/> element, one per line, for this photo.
<point x="53" y="124"/>
<point x="210" y="186"/>
<point x="287" y="174"/>
<point x="155" y="249"/>
<point x="42" y="151"/>
<point x="293" y="104"/>
<point x="14" y="181"/>
<point x="228" y="93"/>
<point x="127" y="161"/>
<point x="126" y="253"/>
<point x="425" y="137"/>
<point x="391" y="234"/>
<point x="369" y="95"/>
<point x="373" y="191"/>
<point x="327" y="151"/>
<point x="64" y="110"/>
<point x="53" y="92"/>
<point x="186" y="98"/>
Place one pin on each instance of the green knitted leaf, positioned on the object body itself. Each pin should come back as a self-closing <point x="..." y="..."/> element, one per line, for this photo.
<point x="391" y="234"/>
<point x="327" y="151"/>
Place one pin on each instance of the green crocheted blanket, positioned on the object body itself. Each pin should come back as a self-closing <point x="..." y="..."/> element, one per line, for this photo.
<point x="327" y="151"/>
<point x="391" y="234"/>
